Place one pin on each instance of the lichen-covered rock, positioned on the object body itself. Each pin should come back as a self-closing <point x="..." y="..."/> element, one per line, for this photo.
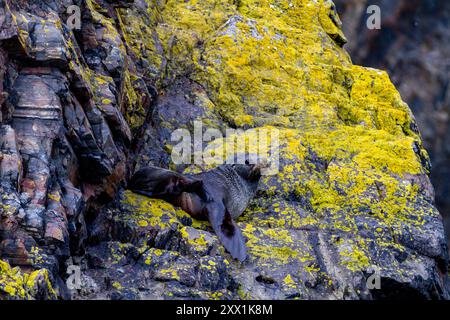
<point x="16" y="285"/>
<point x="420" y="72"/>
<point x="351" y="195"/>
<point x="353" y="179"/>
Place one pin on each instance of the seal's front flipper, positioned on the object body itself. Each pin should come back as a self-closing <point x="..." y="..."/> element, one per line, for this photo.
<point x="158" y="182"/>
<point x="226" y="229"/>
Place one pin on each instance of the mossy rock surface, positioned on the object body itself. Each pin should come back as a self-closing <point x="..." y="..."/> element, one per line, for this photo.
<point x="18" y="285"/>
<point x="351" y="195"/>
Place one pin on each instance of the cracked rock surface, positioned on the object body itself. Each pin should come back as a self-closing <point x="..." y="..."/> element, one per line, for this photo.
<point x="81" y="110"/>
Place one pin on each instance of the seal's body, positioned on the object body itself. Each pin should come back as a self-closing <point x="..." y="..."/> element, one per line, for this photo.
<point x="219" y="195"/>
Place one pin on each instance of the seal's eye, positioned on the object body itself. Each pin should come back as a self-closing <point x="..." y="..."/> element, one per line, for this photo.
<point x="247" y="162"/>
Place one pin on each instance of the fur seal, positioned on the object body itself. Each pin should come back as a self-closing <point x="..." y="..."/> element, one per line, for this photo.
<point x="219" y="195"/>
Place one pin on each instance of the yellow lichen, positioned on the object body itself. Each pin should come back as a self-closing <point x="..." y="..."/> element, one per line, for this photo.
<point x="18" y="285"/>
<point x="117" y="285"/>
<point x="346" y="138"/>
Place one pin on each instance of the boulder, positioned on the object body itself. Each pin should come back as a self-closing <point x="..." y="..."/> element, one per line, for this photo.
<point x="349" y="197"/>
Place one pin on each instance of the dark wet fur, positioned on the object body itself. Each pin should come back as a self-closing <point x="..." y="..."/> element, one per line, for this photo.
<point x="219" y="195"/>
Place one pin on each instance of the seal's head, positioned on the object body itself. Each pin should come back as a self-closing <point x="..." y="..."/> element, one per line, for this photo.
<point x="251" y="172"/>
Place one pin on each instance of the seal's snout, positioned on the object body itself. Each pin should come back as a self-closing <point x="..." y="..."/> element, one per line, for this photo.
<point x="252" y="171"/>
<point x="262" y="164"/>
<point x="257" y="169"/>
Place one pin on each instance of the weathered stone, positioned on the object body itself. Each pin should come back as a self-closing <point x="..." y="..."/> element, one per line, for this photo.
<point x="10" y="164"/>
<point x="83" y="110"/>
<point x="410" y="47"/>
<point x="15" y="285"/>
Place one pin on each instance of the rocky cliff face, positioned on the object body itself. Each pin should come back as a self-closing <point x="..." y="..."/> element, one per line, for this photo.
<point x="81" y="110"/>
<point x="413" y="46"/>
